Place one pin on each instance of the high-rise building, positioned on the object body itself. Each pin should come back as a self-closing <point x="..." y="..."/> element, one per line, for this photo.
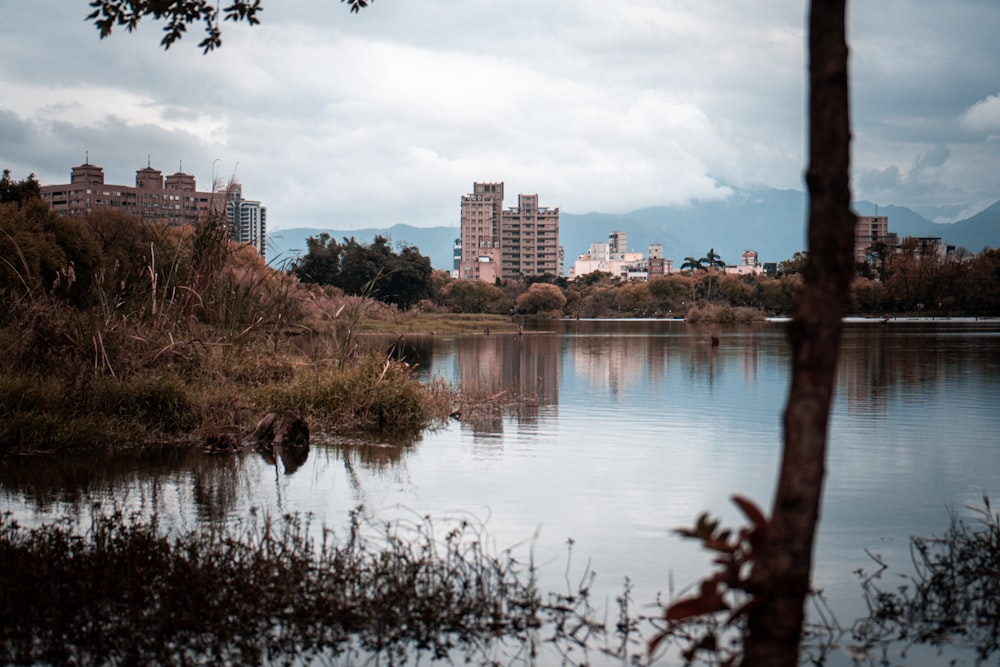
<point x="500" y="244"/>
<point x="871" y="231"/>
<point x="247" y="219"/>
<point x="174" y="200"/>
<point x="617" y="246"/>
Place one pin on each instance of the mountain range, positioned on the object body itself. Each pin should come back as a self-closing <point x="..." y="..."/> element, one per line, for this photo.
<point x="770" y="221"/>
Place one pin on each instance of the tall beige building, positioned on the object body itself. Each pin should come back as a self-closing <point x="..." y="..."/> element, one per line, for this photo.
<point x="868" y="231"/>
<point x="172" y="199"/>
<point x="499" y="244"/>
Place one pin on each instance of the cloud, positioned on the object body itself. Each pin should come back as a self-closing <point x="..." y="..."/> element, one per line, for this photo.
<point x="935" y="157"/>
<point x="880" y="179"/>
<point x="983" y="116"/>
<point x="391" y="114"/>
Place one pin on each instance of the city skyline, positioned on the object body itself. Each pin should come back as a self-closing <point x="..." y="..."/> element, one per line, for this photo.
<point x="173" y="199"/>
<point x="609" y="110"/>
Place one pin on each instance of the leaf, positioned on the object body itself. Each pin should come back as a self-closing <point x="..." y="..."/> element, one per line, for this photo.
<point x="751" y="511"/>
<point x="758" y="536"/>
<point x="718" y="544"/>
<point x="708" y="601"/>
<point x="656" y="641"/>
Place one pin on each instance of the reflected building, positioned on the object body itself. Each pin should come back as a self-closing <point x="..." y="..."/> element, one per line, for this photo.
<point x="629" y="363"/>
<point x="528" y="366"/>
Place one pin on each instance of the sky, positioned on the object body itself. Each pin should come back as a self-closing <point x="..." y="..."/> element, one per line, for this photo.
<point x="349" y="121"/>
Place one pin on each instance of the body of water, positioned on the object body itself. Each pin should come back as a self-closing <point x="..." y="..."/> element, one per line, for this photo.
<point x="635" y="428"/>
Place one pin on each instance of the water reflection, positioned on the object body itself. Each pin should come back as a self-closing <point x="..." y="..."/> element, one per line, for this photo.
<point x="636" y="427"/>
<point x="71" y="482"/>
<point x="912" y="361"/>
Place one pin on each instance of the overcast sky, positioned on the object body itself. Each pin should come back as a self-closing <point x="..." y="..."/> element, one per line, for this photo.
<point x="346" y="121"/>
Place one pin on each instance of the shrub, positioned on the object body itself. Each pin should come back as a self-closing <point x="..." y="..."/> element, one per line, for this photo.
<point x="375" y="394"/>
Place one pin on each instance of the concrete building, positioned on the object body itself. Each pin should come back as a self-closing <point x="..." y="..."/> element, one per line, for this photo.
<point x="656" y="265"/>
<point x="247" y="219"/>
<point x="749" y="265"/>
<point x="870" y="230"/>
<point x="500" y="244"/>
<point x="172" y="199"/>
<point x="614" y="258"/>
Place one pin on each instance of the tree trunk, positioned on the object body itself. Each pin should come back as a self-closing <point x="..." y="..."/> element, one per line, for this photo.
<point x="780" y="581"/>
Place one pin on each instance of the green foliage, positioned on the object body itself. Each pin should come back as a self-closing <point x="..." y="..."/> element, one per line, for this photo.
<point x="18" y="192"/>
<point x="52" y="412"/>
<point x="867" y="295"/>
<point x="40" y="250"/>
<point x="634" y="298"/>
<point x="178" y="16"/>
<point x="541" y="298"/>
<point x="593" y="278"/>
<point x="797" y="264"/>
<point x="374" y="394"/>
<point x="472" y="296"/>
<point x="321" y="264"/>
<point x="127" y="308"/>
<point x="691" y="264"/>
<point x="402" y="278"/>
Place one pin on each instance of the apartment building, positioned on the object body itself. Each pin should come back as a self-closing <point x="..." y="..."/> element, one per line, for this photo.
<point x="499" y="244"/>
<point x="173" y="199"/>
<point x="247" y="219"/>
<point x="614" y="258"/>
<point x="870" y="230"/>
<point x="749" y="265"/>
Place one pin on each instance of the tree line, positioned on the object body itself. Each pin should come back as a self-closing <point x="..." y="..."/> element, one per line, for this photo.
<point x="914" y="280"/>
<point x="43" y="249"/>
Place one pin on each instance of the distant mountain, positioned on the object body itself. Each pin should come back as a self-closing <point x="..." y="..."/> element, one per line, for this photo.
<point x="976" y="233"/>
<point x="284" y="245"/>
<point x="770" y="221"/>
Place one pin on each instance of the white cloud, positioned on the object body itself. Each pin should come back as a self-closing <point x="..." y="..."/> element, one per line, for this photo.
<point x="390" y="115"/>
<point x="984" y="115"/>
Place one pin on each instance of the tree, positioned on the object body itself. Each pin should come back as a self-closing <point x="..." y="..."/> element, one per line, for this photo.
<point x="18" y="192"/>
<point x="179" y="14"/>
<point x="781" y="571"/>
<point x="796" y="264"/>
<point x="541" y="298"/>
<point x="670" y="291"/>
<point x="41" y="250"/>
<point x="690" y="264"/>
<point x="373" y="269"/>
<point x="408" y="280"/>
<point x="712" y="261"/>
<point x="471" y="296"/>
<point x="321" y="263"/>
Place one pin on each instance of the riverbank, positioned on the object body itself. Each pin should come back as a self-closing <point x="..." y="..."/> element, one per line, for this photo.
<point x="350" y="374"/>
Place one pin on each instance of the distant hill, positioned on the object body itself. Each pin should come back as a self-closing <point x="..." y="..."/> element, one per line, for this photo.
<point x="770" y="221"/>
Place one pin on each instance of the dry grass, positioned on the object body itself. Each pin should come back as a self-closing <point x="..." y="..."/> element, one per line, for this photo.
<point x="721" y="314"/>
<point x="275" y="591"/>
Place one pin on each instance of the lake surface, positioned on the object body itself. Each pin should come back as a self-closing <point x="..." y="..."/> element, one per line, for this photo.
<point x="636" y="428"/>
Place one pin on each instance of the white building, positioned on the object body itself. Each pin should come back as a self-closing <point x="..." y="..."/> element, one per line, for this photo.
<point x="247" y="220"/>
<point x="614" y="258"/>
<point x="749" y="265"/>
